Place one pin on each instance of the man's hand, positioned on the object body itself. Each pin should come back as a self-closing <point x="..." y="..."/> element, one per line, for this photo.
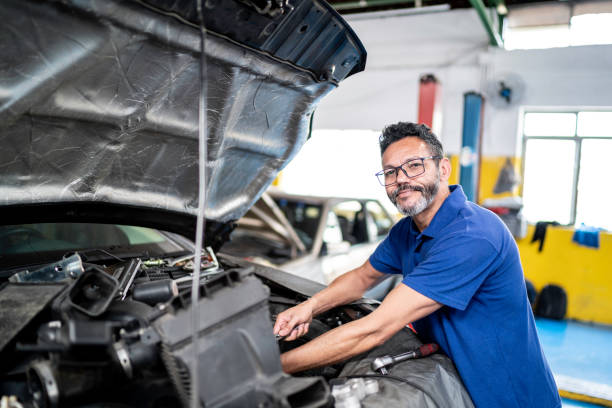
<point x="294" y="322"/>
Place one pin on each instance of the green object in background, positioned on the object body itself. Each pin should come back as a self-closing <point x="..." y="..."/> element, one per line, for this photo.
<point x="495" y="38"/>
<point x="141" y="235"/>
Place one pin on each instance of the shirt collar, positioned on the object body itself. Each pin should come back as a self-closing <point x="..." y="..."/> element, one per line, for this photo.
<point x="446" y="213"/>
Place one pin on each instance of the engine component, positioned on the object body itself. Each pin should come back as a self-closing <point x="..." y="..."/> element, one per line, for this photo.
<point x="209" y="261"/>
<point x="155" y="292"/>
<point x="43" y="385"/>
<point x="343" y="396"/>
<point x="235" y="320"/>
<point x="93" y="292"/>
<point x="10" y="402"/>
<point x="420" y="382"/>
<point x="71" y="267"/>
<point x="136" y="354"/>
<point x="55" y="383"/>
<point x="89" y="333"/>
<point x="86" y="358"/>
<point x="123" y="357"/>
<point x="20" y="303"/>
<point x="125" y="274"/>
<point x="350" y="393"/>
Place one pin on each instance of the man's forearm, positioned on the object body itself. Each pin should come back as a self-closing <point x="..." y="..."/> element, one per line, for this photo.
<point x="336" y="345"/>
<point x="401" y="306"/>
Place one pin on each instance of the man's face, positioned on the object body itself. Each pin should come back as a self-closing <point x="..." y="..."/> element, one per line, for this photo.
<point x="411" y="196"/>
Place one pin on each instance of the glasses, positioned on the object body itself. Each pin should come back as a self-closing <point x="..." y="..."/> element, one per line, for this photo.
<point x="411" y="168"/>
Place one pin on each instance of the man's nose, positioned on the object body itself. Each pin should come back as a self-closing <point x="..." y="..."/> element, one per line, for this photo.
<point x="401" y="177"/>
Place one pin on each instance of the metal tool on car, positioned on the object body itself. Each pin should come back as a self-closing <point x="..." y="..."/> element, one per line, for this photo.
<point x="278" y="337"/>
<point x="380" y="364"/>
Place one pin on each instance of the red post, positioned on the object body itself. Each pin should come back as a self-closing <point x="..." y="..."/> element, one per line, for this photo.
<point x="429" y="103"/>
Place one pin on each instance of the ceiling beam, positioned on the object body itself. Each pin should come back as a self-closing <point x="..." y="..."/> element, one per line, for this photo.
<point x="495" y="38"/>
<point x="360" y="4"/>
<point x="495" y="35"/>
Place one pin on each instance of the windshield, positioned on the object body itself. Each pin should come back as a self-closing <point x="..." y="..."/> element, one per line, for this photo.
<point x="35" y="243"/>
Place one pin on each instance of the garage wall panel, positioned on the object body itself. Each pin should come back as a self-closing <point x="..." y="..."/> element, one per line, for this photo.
<point x="553" y="78"/>
<point x="400" y="50"/>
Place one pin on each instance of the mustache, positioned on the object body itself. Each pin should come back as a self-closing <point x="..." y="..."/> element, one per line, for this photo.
<point x="404" y="187"/>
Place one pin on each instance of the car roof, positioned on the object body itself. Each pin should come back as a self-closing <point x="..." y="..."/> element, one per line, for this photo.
<point x="314" y="199"/>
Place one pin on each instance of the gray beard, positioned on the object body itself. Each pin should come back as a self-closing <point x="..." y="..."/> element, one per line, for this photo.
<point x="428" y="192"/>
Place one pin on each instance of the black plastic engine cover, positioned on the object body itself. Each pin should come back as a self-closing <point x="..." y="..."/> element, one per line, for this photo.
<point x="239" y="359"/>
<point x="20" y="303"/>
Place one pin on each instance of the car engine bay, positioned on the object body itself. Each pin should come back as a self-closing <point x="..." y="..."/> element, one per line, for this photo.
<point x="85" y="334"/>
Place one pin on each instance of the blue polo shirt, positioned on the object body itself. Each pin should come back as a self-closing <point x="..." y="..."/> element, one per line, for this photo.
<point x="467" y="260"/>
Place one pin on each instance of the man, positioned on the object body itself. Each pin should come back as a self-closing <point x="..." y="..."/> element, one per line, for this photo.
<point x="462" y="287"/>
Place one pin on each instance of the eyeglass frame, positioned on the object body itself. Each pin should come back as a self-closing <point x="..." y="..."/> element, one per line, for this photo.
<point x="401" y="167"/>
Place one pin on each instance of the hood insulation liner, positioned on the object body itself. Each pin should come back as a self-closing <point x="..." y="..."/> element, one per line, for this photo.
<point x="99" y="104"/>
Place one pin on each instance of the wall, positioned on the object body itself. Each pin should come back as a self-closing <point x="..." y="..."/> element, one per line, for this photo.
<point x="387" y="92"/>
<point x="583" y="272"/>
<point x="453" y="45"/>
<point x="553" y="78"/>
<point x="400" y="50"/>
<point x="556" y="78"/>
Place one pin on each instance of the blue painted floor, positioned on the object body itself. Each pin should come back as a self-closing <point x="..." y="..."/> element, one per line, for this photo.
<point x="577" y="404"/>
<point x="577" y="350"/>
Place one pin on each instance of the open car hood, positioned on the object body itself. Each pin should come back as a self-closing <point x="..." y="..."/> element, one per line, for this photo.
<point x="99" y="104"/>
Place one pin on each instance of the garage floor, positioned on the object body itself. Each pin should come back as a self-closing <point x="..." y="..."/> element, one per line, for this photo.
<point x="577" y="404"/>
<point x="580" y="357"/>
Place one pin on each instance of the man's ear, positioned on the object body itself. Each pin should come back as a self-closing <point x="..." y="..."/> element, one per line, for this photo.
<point x="445" y="169"/>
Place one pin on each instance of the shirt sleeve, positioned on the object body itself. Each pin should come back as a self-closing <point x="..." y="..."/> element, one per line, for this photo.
<point x="386" y="258"/>
<point x="453" y="270"/>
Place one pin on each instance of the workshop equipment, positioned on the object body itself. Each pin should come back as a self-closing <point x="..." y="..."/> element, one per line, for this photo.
<point x="380" y="364"/>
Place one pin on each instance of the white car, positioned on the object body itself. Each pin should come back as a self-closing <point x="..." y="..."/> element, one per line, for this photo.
<point x="317" y="238"/>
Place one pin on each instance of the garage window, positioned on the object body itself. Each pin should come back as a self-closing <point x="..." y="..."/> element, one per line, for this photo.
<point x="567" y="156"/>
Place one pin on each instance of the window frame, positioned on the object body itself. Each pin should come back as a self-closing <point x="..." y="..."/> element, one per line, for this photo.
<point x="575" y="138"/>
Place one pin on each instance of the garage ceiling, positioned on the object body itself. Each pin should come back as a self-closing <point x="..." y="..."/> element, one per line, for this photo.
<point x="490" y="12"/>
<point x="360" y="6"/>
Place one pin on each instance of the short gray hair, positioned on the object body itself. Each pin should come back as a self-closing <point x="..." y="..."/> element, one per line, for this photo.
<point x="400" y="130"/>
